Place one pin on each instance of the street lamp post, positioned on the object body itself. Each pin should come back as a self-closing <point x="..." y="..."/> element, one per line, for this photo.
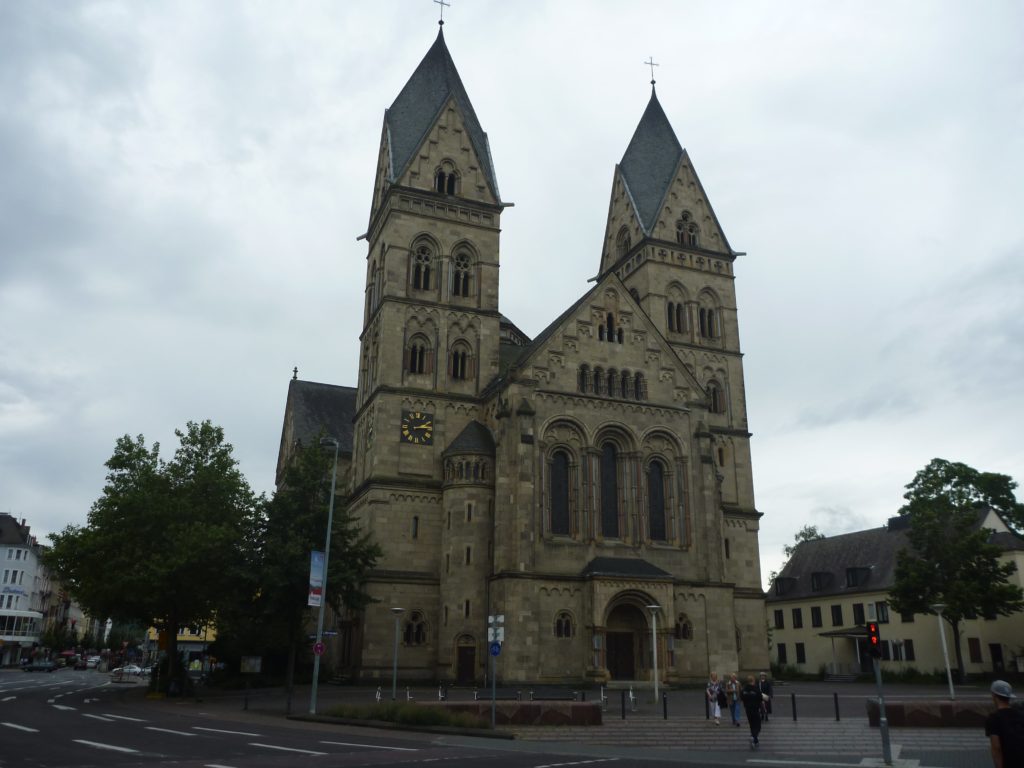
<point x="394" y="656"/>
<point x="654" y="645"/>
<point x="325" y="442"/>
<point x="939" y="608"/>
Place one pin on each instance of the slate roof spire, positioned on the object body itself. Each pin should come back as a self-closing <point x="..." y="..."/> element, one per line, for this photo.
<point x="650" y="162"/>
<point x="417" y="107"/>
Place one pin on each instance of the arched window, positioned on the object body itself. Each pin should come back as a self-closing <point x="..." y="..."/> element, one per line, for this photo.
<point x="460" y="274"/>
<point x="639" y="387"/>
<point x="618" y="335"/>
<point x="444" y="179"/>
<point x="656" y="500"/>
<point x="417" y="356"/>
<point x="687" y="232"/>
<point x="613" y="383"/>
<point x="415" y="629"/>
<point x="622" y="243"/>
<point x="560" y="493"/>
<point x="422" y="261"/>
<point x="626" y="384"/>
<point x="708" y="323"/>
<point x="599" y="381"/>
<point x="611" y="327"/>
<point x="460" y="363"/>
<point x="680" y="317"/>
<point x="563" y="625"/>
<point x="609" y="491"/>
<point x="717" y="400"/>
<point x="583" y="378"/>
<point x="684" y="628"/>
<point x="671" y="316"/>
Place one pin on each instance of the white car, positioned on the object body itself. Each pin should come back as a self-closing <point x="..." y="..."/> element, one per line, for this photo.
<point x="127" y="669"/>
<point x="92" y="662"/>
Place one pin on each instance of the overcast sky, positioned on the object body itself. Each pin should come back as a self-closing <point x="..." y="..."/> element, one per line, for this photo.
<point x="182" y="185"/>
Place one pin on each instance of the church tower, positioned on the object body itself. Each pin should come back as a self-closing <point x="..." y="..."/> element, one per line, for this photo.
<point x="429" y="341"/>
<point x="665" y="242"/>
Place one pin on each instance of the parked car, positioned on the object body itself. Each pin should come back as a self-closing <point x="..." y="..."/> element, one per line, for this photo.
<point x="92" y="662"/>
<point x="40" y="666"/>
<point x="127" y="669"/>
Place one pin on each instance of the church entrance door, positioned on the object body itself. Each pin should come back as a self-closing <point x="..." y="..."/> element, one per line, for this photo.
<point x="621" y="664"/>
<point x="465" y="663"/>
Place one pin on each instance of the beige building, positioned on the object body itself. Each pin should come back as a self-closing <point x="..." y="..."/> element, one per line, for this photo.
<point x="567" y="482"/>
<point x="819" y="604"/>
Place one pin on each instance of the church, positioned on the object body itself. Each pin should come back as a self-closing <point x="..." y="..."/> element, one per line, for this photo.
<point x="592" y="486"/>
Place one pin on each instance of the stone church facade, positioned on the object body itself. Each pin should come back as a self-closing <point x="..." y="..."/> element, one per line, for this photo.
<point x="568" y="482"/>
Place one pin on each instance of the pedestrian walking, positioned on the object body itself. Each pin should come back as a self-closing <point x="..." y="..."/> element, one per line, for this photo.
<point x="752" y="698"/>
<point x="732" y="692"/>
<point x="1005" y="728"/>
<point x="764" y="685"/>
<point x="716" y="697"/>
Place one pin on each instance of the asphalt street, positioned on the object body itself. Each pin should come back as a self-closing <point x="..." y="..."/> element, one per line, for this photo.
<point x="83" y="718"/>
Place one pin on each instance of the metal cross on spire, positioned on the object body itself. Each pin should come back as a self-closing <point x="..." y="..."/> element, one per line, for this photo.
<point x="650" y="62"/>
<point x="443" y="5"/>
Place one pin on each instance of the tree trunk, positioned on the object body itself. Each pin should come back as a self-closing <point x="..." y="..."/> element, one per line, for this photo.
<point x="173" y="665"/>
<point x="289" y="678"/>
<point x="959" y="677"/>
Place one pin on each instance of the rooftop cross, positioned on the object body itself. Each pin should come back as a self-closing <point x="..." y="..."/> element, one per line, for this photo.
<point x="443" y="5"/>
<point x="650" y="62"/>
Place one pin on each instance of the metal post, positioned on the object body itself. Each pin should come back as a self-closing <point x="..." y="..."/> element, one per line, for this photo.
<point x="883" y="722"/>
<point x="835" y="700"/>
<point x="664" y="706"/>
<point x="793" y="701"/>
<point x="394" y="656"/>
<point x="939" y="608"/>
<point x="623" y="704"/>
<point x="494" y="692"/>
<point x="324" y="442"/>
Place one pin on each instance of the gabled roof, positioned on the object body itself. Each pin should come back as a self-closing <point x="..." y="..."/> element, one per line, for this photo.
<point x="875" y="549"/>
<point x="630" y="567"/>
<point x="313" y="407"/>
<point x="418" y="105"/>
<point x="650" y="162"/>
<point x="474" y="438"/>
<point x="13" y="532"/>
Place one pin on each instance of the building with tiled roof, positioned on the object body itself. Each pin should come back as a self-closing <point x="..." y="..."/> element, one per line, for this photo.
<point x="821" y="601"/>
<point x="568" y="482"/>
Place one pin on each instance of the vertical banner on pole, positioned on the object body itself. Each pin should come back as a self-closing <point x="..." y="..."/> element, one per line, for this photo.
<point x="316" y="579"/>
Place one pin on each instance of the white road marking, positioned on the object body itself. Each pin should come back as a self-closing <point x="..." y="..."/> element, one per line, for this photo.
<point x="580" y="762"/>
<point x="99" y="717"/>
<point x="64" y="707"/>
<point x="21" y="727"/>
<point x="168" y="730"/>
<point x="286" y="749"/>
<point x="369" y="746"/>
<point x="9" y="698"/>
<point x="123" y="717"/>
<point x="215" y="765"/>
<point x="218" y="730"/>
<point x="99" y="745"/>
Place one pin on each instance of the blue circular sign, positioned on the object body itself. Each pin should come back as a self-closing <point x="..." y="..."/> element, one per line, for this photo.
<point x="495" y="648"/>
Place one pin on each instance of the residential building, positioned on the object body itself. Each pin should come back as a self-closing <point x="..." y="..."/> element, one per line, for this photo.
<point x="24" y="585"/>
<point x="819" y="604"/>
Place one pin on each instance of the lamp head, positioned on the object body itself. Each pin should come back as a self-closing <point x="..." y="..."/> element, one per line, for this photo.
<point x="398" y="611"/>
<point x="328" y="442"/>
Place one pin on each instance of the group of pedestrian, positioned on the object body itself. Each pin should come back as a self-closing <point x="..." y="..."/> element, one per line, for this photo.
<point x="755" y="697"/>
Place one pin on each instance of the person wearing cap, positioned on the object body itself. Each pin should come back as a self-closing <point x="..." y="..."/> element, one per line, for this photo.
<point x="764" y="686"/>
<point x="1005" y="728"/>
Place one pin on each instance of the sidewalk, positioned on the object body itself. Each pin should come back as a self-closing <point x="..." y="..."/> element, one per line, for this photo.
<point x="815" y="739"/>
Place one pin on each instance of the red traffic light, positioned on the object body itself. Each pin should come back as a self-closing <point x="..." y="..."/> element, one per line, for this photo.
<point x="874" y="639"/>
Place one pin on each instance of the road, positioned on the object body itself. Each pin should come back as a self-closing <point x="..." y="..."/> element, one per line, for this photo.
<point x="83" y="719"/>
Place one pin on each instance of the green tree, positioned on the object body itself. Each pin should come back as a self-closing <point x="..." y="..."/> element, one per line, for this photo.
<point x="950" y="560"/>
<point x="162" y="545"/>
<point x="295" y="523"/>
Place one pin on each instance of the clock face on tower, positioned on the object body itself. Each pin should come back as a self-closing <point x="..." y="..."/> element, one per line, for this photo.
<point x="417" y="427"/>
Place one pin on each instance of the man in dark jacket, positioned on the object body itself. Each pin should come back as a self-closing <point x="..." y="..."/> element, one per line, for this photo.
<point x="752" y="698"/>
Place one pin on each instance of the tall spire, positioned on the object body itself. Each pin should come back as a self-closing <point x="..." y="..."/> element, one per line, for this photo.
<point x="650" y="162"/>
<point x="418" y="105"/>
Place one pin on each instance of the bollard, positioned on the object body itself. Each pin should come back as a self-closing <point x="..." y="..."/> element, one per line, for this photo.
<point x="835" y="699"/>
<point x="623" y="704"/>
<point x="664" y="705"/>
<point x="793" y="699"/>
<point x="583" y="695"/>
<point x="707" y="708"/>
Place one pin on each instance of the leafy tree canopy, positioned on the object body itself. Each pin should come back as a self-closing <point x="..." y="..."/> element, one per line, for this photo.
<point x="950" y="560"/>
<point x="163" y="545"/>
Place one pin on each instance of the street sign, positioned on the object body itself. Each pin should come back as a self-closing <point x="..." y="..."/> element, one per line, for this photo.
<point x="318" y="649"/>
<point x="495" y="649"/>
<point x="496" y="635"/>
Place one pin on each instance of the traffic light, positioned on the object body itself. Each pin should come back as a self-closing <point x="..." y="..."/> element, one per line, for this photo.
<point x="874" y="639"/>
